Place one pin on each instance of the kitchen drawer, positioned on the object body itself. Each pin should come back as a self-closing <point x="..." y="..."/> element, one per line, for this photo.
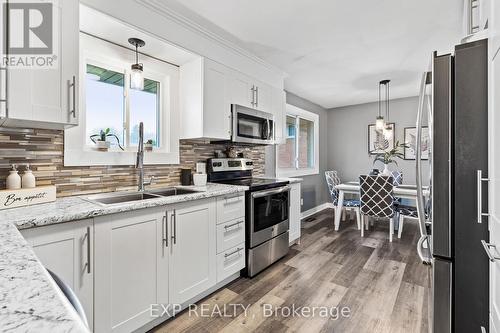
<point x="230" y="261"/>
<point x="230" y="208"/>
<point x="230" y="234"/>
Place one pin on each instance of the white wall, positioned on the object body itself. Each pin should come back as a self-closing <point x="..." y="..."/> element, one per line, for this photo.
<point x="347" y="138"/>
<point x="314" y="189"/>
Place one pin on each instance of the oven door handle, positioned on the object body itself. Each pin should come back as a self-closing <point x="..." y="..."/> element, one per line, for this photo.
<point x="265" y="193"/>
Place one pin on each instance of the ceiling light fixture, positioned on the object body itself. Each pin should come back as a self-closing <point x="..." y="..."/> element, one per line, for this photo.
<point x="387" y="128"/>
<point x="137" y="76"/>
<point x="379" y="123"/>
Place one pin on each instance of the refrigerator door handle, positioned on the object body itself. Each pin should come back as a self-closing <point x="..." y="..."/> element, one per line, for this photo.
<point x="487" y="247"/>
<point x="418" y="155"/>
<point x="480" y="181"/>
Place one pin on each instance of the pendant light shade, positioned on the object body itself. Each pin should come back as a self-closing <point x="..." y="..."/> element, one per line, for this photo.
<point x="379" y="123"/>
<point x="386" y="128"/>
<point x="137" y="75"/>
<point x="388" y="132"/>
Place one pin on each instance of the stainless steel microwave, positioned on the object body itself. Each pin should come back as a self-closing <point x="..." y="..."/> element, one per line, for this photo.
<point x="252" y="126"/>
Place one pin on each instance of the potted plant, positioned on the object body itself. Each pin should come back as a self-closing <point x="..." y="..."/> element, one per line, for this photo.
<point x="148" y="145"/>
<point x="101" y="141"/>
<point x="390" y="156"/>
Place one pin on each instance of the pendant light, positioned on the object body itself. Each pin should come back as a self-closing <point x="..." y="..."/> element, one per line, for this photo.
<point x="137" y="76"/>
<point x="379" y="123"/>
<point x="387" y="130"/>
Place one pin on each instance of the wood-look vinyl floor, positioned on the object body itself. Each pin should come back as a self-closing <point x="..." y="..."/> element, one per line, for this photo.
<point x="383" y="285"/>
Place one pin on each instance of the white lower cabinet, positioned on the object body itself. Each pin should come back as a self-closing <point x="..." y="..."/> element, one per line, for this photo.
<point x="67" y="250"/>
<point x="192" y="250"/>
<point x="294" y="218"/>
<point x="230" y="261"/>
<point x="230" y="234"/>
<point x="120" y="265"/>
<point x="131" y="268"/>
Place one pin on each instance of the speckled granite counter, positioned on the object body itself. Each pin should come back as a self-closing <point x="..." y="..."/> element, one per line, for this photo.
<point x="78" y="208"/>
<point x="29" y="299"/>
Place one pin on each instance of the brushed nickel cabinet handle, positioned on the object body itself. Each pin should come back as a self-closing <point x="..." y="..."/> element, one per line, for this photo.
<point x="165" y="225"/>
<point x="480" y="181"/>
<point x="173" y="221"/>
<point x="72" y="86"/>
<point x="256" y="97"/>
<point x="87" y="235"/>
<point x="227" y="255"/>
<point x="232" y="225"/>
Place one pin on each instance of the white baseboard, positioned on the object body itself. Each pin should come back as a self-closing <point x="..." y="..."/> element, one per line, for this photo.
<point x="316" y="209"/>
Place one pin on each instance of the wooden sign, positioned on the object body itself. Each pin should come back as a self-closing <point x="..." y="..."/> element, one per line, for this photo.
<point x="27" y="196"/>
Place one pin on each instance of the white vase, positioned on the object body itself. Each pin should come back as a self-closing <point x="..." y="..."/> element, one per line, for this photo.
<point x="386" y="171"/>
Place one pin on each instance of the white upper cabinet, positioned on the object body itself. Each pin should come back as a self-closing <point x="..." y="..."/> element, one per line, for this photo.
<point x="48" y="98"/>
<point x="207" y="91"/>
<point x="494" y="27"/>
<point x="242" y="90"/>
<point x="204" y="102"/>
<point x="250" y="92"/>
<point x="278" y="107"/>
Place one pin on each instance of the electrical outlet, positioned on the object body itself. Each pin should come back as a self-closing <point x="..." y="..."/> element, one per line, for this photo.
<point x="301" y="202"/>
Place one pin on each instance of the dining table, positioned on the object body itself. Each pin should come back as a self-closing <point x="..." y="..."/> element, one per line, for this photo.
<point x="402" y="191"/>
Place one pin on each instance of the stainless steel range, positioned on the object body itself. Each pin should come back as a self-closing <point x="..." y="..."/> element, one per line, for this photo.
<point x="267" y="205"/>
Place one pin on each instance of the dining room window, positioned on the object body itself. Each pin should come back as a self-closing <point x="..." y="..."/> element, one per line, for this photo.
<point x="298" y="155"/>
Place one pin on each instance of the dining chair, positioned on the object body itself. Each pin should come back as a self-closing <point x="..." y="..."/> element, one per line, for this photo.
<point x="377" y="200"/>
<point x="332" y="179"/>
<point x="411" y="212"/>
<point x="398" y="177"/>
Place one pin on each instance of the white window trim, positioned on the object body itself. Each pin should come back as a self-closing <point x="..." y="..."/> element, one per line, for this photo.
<point x="76" y="150"/>
<point x="294" y="111"/>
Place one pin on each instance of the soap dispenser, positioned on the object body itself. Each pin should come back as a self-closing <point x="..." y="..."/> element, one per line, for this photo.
<point x="13" y="180"/>
<point x="28" y="179"/>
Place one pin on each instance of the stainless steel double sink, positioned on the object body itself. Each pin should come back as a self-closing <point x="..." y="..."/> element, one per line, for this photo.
<point x="123" y="197"/>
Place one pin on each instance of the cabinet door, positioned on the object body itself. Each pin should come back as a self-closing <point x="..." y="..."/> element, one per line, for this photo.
<point x="193" y="250"/>
<point x="216" y="104"/>
<point x="279" y="115"/>
<point x="242" y="90"/>
<point x="294" y="212"/>
<point x="263" y="97"/>
<point x="47" y="95"/>
<point x="494" y="27"/>
<point x="131" y="269"/>
<point x="67" y="250"/>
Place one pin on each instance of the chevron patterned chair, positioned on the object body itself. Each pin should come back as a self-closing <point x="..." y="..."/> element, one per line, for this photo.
<point x="377" y="200"/>
<point x="332" y="179"/>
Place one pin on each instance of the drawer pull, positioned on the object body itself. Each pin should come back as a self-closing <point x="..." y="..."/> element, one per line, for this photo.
<point x="230" y="201"/>
<point x="237" y="251"/>
<point x="232" y="225"/>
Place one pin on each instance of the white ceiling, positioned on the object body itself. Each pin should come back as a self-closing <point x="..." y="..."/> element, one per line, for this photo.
<point x="336" y="51"/>
<point x="103" y="26"/>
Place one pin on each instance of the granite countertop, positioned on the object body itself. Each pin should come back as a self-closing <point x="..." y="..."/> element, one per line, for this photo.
<point x="79" y="208"/>
<point x="30" y="301"/>
<point x="290" y="180"/>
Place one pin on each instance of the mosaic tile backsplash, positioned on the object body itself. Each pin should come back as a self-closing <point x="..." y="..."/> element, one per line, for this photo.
<point x="44" y="151"/>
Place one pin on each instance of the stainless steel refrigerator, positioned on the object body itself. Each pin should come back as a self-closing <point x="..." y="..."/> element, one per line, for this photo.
<point x="454" y="95"/>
